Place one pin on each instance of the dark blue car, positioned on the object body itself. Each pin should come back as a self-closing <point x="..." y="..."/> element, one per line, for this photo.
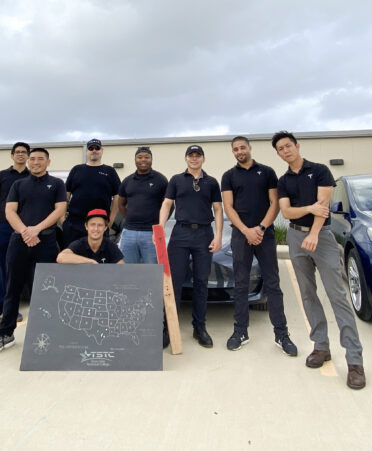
<point x="351" y="223"/>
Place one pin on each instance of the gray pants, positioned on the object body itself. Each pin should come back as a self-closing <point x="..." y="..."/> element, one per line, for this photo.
<point x="326" y="258"/>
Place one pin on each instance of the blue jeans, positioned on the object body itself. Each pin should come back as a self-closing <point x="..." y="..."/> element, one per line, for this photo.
<point x="137" y="246"/>
<point x="5" y="233"/>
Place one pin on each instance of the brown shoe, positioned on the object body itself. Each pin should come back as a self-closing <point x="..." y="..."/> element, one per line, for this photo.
<point x="317" y="358"/>
<point x="356" y="377"/>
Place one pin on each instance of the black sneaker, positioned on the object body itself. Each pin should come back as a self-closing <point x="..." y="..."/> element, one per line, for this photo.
<point x="237" y="339"/>
<point x="203" y="337"/>
<point x="287" y="345"/>
<point x="6" y="341"/>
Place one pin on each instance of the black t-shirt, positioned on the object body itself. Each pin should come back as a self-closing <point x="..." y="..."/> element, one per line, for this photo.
<point x="91" y="187"/>
<point x="302" y="188"/>
<point x="36" y="197"/>
<point x="107" y="253"/>
<point x="7" y="178"/>
<point x="250" y="188"/>
<point x="144" y="194"/>
<point x="193" y="207"/>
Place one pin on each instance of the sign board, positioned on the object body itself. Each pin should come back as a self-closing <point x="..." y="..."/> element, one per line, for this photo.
<point x="95" y="317"/>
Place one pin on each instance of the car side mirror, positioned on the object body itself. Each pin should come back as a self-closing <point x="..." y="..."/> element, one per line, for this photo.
<point x="337" y="208"/>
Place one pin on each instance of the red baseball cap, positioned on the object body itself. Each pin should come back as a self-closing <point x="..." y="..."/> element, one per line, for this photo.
<point x="97" y="213"/>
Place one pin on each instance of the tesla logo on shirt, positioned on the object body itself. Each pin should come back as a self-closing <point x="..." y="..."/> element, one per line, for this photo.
<point x="259" y="172"/>
<point x="49" y="186"/>
<point x="151" y="184"/>
<point x="103" y="260"/>
<point x="310" y="175"/>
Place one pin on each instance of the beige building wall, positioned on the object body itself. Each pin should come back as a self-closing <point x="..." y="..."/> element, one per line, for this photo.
<point x="355" y="148"/>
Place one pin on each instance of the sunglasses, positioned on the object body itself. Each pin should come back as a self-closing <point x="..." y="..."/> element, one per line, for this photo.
<point x="91" y="148"/>
<point x="195" y="185"/>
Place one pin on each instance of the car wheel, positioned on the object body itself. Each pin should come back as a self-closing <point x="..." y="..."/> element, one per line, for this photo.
<point x="357" y="286"/>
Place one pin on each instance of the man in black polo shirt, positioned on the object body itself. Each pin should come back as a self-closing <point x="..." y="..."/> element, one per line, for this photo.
<point x="90" y="185"/>
<point x="140" y="197"/>
<point x="249" y="192"/>
<point x="19" y="155"/>
<point x="304" y="194"/>
<point x="33" y="207"/>
<point x="195" y="193"/>
<point x="94" y="248"/>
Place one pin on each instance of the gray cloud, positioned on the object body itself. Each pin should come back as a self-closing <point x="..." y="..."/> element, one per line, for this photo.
<point x="159" y="68"/>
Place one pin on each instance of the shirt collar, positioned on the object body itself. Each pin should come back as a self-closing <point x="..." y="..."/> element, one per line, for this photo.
<point x="25" y="170"/>
<point x="39" y="179"/>
<point x="149" y="174"/>
<point x="202" y="174"/>
<point x="254" y="164"/>
<point x="101" y="248"/>
<point x="305" y="165"/>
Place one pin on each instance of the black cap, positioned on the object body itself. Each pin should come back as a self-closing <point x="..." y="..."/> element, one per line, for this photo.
<point x="194" y="148"/>
<point x="143" y="149"/>
<point x="94" y="142"/>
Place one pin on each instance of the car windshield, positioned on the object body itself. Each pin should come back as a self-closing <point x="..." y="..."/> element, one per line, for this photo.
<point x="362" y="189"/>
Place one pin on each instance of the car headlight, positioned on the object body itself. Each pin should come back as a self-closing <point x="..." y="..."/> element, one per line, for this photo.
<point x="369" y="232"/>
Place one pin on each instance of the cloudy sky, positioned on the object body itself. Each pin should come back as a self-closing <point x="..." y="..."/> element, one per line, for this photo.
<point x="73" y="69"/>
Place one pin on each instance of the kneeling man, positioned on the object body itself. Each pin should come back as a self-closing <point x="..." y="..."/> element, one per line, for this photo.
<point x="94" y="248"/>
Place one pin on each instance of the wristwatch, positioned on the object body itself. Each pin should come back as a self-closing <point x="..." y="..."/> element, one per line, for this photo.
<point x="262" y="227"/>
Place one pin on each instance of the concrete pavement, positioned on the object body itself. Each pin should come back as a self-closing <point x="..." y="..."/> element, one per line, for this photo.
<point x="206" y="399"/>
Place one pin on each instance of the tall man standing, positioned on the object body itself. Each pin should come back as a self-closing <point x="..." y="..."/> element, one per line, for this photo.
<point x="90" y="185"/>
<point x="195" y="193"/>
<point x="33" y="207"/>
<point x="250" y="197"/>
<point x="19" y="155"/>
<point x="304" y="194"/>
<point x="140" y="197"/>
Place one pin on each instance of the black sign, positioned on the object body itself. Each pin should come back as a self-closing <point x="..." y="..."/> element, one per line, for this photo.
<point x="94" y="318"/>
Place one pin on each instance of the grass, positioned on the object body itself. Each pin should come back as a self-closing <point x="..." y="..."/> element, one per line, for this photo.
<point x="280" y="229"/>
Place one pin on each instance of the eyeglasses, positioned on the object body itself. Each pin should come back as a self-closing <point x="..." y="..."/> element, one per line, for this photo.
<point x="195" y="185"/>
<point x="91" y="148"/>
<point x="20" y="152"/>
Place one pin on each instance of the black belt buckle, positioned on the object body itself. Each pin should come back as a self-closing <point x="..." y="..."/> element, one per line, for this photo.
<point x="194" y="226"/>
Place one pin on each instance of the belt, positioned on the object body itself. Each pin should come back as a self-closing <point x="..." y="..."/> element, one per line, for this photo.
<point x="303" y="228"/>
<point x="193" y="226"/>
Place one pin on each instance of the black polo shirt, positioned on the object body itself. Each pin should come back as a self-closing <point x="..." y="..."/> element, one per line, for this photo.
<point x="193" y="207"/>
<point x="250" y="188"/>
<point x="302" y="188"/>
<point x="36" y="197"/>
<point x="144" y="194"/>
<point x="7" y="178"/>
<point x="91" y="187"/>
<point x="108" y="252"/>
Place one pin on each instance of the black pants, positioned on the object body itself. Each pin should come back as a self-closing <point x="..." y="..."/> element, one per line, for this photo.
<point x="242" y="263"/>
<point x="184" y="242"/>
<point x="21" y="261"/>
<point x="73" y="229"/>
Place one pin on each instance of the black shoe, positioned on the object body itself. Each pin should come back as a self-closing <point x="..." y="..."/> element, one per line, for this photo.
<point x="6" y="341"/>
<point x="203" y="337"/>
<point x="287" y="345"/>
<point x="237" y="339"/>
<point x="165" y="339"/>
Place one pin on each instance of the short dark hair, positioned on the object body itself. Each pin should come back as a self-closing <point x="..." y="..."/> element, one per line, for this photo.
<point x="40" y="149"/>
<point x="21" y="144"/>
<point x="240" y="138"/>
<point x="280" y="135"/>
